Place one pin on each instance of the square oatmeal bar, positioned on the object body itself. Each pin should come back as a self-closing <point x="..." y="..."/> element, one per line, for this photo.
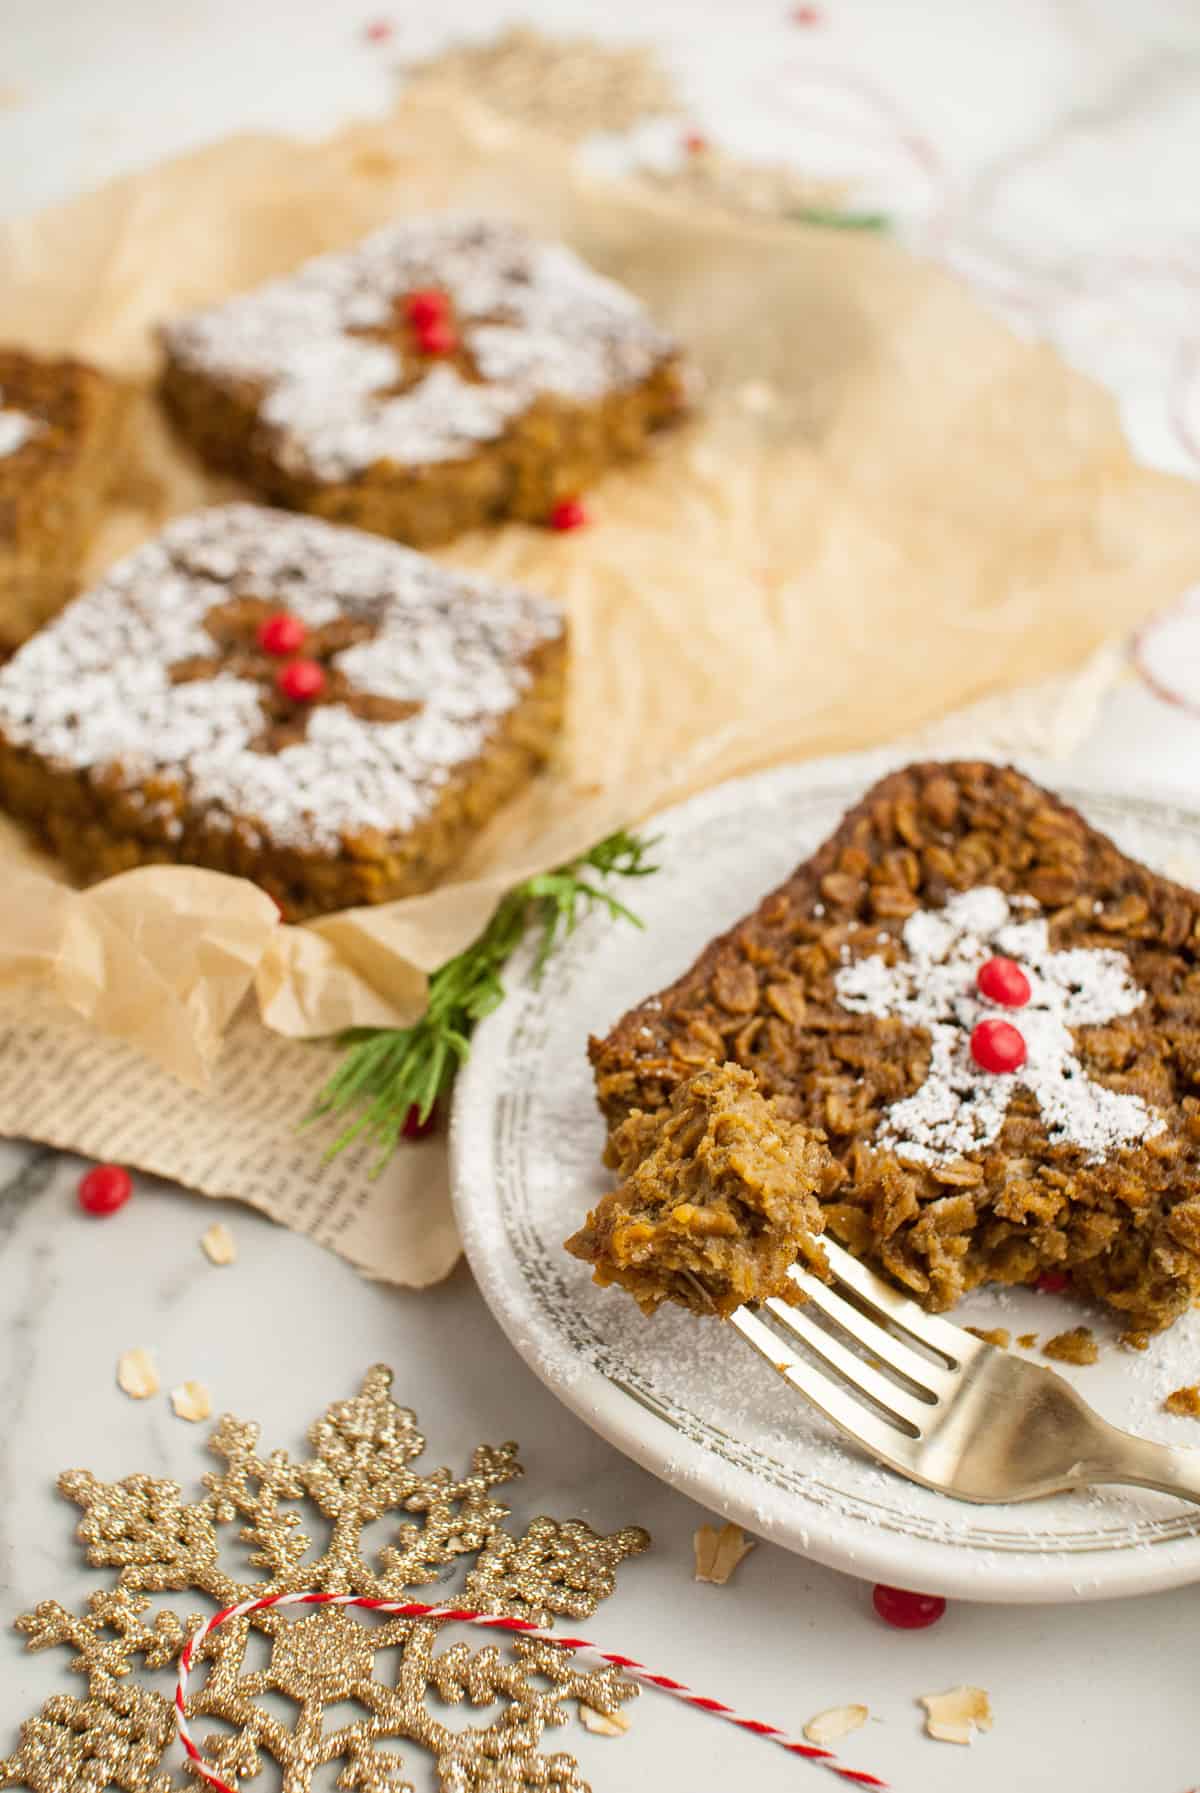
<point x="326" y="713"/>
<point x="444" y="373"/>
<point x="992" y="1015"/>
<point x="61" y="430"/>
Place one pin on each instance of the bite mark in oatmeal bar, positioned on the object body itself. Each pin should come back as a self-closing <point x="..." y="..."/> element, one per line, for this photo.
<point x="852" y="995"/>
<point x="62" y="430"/>
<point x="442" y="373"/>
<point x="151" y="724"/>
<point x="718" y="1198"/>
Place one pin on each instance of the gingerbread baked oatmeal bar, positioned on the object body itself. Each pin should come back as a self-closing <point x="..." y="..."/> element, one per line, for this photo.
<point x="310" y="707"/>
<point x="61" y="431"/>
<point x="992" y="1015"/>
<point x="719" y="1197"/>
<point x="443" y="373"/>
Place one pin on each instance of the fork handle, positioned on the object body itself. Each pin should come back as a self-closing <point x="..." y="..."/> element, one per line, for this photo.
<point x="1143" y="1464"/>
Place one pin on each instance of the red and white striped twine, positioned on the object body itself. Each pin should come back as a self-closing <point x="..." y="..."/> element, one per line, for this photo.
<point x="413" y="1609"/>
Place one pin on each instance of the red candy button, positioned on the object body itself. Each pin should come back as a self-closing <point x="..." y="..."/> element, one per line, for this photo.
<point x="301" y="680"/>
<point x="104" y="1189"/>
<point x="1002" y="980"/>
<point x="997" y="1046"/>
<point x="416" y="1128"/>
<point x="428" y="305"/>
<point x="437" y="337"/>
<point x="281" y="633"/>
<point x="569" y="513"/>
<point x="907" y="1612"/>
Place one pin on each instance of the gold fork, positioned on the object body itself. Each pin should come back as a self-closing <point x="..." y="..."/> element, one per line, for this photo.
<point x="940" y="1406"/>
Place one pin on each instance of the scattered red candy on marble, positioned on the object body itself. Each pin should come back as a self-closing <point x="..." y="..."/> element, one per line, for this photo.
<point x="437" y="337"/>
<point x="806" y="15"/>
<point x="281" y="633"/>
<point x="1053" y="1282"/>
<point x="416" y="1128"/>
<point x="997" y="1046"/>
<point x="104" y="1189"/>
<point x="695" y="143"/>
<point x="301" y="680"/>
<point x="907" y="1612"/>
<point x="379" y="31"/>
<point x="428" y="305"/>
<point x="569" y="513"/>
<point x="1002" y="980"/>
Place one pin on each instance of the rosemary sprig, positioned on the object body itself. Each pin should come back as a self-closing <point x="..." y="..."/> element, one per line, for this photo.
<point x="830" y="219"/>
<point x="389" y="1071"/>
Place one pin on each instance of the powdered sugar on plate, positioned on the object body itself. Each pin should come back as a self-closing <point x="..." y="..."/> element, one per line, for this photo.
<point x="685" y="1398"/>
<point x="93" y="692"/>
<point x="532" y="317"/>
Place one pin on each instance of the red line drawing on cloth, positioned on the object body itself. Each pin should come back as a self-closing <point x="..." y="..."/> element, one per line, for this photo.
<point x="848" y="112"/>
<point x="1125" y="317"/>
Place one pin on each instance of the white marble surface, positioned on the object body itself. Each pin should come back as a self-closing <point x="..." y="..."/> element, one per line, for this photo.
<point x="1048" y="151"/>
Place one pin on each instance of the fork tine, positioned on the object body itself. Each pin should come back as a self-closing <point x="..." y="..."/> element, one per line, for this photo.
<point x="829" y="1397"/>
<point x="934" y="1378"/>
<point x="950" y="1341"/>
<point x="853" y="1369"/>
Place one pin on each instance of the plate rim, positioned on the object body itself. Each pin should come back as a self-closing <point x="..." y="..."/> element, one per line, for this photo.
<point x="625" y="1420"/>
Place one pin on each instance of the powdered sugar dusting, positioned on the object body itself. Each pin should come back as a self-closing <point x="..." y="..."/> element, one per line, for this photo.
<point x="960" y="1108"/>
<point x="16" y="429"/>
<point x="93" y="691"/>
<point x="533" y="318"/>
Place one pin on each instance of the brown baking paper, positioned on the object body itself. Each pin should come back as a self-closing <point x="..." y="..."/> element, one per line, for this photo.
<point x="888" y="507"/>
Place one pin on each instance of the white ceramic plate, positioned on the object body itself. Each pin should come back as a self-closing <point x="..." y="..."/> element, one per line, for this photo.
<point x="687" y="1399"/>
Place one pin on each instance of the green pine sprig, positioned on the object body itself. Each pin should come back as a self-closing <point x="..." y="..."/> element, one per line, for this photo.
<point x="389" y="1071"/>
<point x="829" y="219"/>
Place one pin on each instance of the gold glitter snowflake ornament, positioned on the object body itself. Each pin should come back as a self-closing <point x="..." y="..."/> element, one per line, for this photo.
<point x="360" y="1471"/>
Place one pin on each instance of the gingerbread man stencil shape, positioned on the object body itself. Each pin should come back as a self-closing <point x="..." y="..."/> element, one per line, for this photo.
<point x="960" y="1107"/>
